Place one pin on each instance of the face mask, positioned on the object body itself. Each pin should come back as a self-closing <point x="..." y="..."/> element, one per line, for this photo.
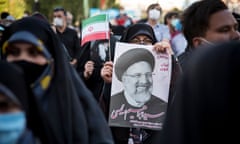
<point x="12" y="125"/>
<point x="31" y="71"/>
<point x="206" y="41"/>
<point x="154" y="14"/>
<point x="121" y="12"/>
<point x="176" y="24"/>
<point x="25" y="15"/>
<point x="7" y="24"/>
<point x="58" y="21"/>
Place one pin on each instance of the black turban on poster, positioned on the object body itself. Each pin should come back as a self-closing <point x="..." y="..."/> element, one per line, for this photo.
<point x="130" y="57"/>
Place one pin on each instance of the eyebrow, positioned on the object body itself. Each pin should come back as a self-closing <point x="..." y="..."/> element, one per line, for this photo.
<point x="146" y="38"/>
<point x="227" y="26"/>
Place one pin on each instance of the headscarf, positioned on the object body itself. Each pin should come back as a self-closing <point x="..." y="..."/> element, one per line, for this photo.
<point x="207" y="102"/>
<point x="138" y="29"/>
<point x="72" y="114"/>
<point x="42" y="82"/>
<point x="12" y="83"/>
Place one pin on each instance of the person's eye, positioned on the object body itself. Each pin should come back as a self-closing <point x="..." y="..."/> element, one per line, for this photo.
<point x="12" y="51"/>
<point x="147" y="41"/>
<point x="148" y="75"/>
<point x="135" y="41"/>
<point x="34" y="52"/>
<point x="136" y="75"/>
<point x="224" y="30"/>
<point x="3" y="105"/>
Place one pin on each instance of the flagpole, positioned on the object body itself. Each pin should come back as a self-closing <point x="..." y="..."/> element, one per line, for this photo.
<point x="109" y="47"/>
<point x="85" y="8"/>
<point x="109" y="43"/>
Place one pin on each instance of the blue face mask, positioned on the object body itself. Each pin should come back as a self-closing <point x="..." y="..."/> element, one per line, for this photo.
<point x="12" y="126"/>
<point x="176" y="24"/>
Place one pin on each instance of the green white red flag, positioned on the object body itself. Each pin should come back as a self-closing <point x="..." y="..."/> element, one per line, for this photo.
<point x="95" y="28"/>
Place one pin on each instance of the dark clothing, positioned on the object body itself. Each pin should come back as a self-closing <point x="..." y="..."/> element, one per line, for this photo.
<point x="118" y="29"/>
<point x="175" y="74"/>
<point x="72" y="115"/>
<point x="184" y="58"/>
<point x="71" y="41"/>
<point x="12" y="77"/>
<point x="206" y="103"/>
<point x="28" y="138"/>
<point x="91" y="51"/>
<point x="99" y="52"/>
<point x="144" y="20"/>
<point x="138" y="29"/>
<point x="155" y="107"/>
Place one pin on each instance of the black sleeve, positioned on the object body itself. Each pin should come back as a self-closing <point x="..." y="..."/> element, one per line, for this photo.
<point x="98" y="129"/>
<point x="84" y="56"/>
<point x="77" y="47"/>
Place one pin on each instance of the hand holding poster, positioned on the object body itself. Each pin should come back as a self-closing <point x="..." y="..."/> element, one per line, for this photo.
<point x="140" y="87"/>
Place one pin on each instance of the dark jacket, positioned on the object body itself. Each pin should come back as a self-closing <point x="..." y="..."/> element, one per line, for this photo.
<point x="184" y="58"/>
<point x="155" y="106"/>
<point x="71" y="42"/>
<point x="207" y="100"/>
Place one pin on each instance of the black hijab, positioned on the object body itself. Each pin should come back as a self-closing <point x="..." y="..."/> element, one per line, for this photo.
<point x="12" y="77"/>
<point x="205" y="108"/>
<point x="73" y="116"/>
<point x="138" y="29"/>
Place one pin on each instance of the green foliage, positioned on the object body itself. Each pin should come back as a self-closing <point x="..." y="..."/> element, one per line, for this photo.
<point x="112" y="4"/>
<point x="74" y="6"/>
<point x="94" y="3"/>
<point x="14" y="7"/>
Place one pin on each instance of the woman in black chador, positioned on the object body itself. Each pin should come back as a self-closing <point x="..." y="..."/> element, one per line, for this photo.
<point x="70" y="111"/>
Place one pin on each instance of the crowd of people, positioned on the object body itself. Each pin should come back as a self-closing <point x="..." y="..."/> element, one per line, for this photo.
<point x="53" y="90"/>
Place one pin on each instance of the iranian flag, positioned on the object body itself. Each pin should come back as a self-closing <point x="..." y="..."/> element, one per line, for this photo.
<point x="95" y="28"/>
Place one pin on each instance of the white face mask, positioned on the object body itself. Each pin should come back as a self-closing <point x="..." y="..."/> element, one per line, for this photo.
<point x="121" y="12"/>
<point x="154" y="14"/>
<point x="206" y="42"/>
<point x="58" y="22"/>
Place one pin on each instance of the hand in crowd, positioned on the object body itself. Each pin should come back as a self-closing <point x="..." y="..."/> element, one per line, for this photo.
<point x="106" y="71"/>
<point x="88" y="69"/>
<point x="73" y="62"/>
<point x="163" y="47"/>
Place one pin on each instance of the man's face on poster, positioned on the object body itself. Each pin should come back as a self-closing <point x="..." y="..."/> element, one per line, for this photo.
<point x="137" y="81"/>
